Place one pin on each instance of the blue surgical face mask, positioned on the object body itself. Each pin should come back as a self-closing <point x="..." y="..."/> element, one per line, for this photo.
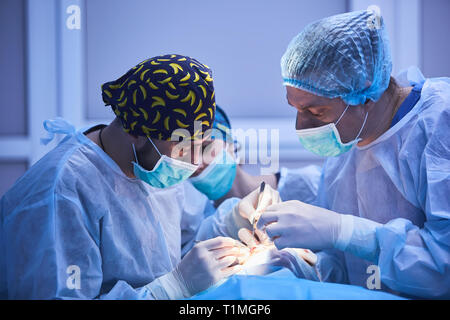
<point x="325" y="141"/>
<point x="166" y="173"/>
<point x="218" y="177"/>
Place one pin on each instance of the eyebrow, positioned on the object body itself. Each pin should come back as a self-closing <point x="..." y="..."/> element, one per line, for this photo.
<point x="313" y="105"/>
<point x="302" y="107"/>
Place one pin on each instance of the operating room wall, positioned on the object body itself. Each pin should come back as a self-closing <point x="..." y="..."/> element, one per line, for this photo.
<point x="242" y="41"/>
<point x="13" y="110"/>
<point x="435" y="38"/>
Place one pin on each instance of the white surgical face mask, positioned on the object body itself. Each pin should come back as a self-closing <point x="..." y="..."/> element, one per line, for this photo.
<point x="325" y="141"/>
<point x="167" y="171"/>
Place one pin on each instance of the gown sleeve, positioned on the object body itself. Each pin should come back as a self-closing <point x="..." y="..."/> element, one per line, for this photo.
<point x="299" y="184"/>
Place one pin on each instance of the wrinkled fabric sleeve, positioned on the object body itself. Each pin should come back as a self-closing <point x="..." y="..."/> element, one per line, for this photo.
<point x="225" y="222"/>
<point x="196" y="208"/>
<point x="300" y="184"/>
<point x="57" y="256"/>
<point x="331" y="266"/>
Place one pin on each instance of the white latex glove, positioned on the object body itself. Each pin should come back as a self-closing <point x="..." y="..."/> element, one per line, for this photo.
<point x="265" y="258"/>
<point x="295" y="224"/>
<point x="204" y="265"/>
<point x="248" y="207"/>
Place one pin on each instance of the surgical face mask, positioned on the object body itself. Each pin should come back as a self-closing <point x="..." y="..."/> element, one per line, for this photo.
<point x="218" y="177"/>
<point x="167" y="171"/>
<point x="325" y="141"/>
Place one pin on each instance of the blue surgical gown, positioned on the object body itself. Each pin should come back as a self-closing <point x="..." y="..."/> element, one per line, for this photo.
<point x="75" y="207"/>
<point x="400" y="183"/>
<point x="299" y="184"/>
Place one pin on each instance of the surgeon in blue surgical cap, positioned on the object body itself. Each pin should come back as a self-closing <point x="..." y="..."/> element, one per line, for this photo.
<point x="384" y="195"/>
<point x="220" y="176"/>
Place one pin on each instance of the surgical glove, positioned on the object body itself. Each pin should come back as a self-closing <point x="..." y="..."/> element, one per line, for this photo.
<point x="302" y="263"/>
<point x="295" y="224"/>
<point x="265" y="258"/>
<point x="252" y="205"/>
<point x="204" y="265"/>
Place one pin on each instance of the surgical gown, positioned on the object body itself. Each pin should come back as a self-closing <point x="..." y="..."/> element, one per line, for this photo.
<point x="74" y="216"/>
<point x="401" y="183"/>
<point x="299" y="184"/>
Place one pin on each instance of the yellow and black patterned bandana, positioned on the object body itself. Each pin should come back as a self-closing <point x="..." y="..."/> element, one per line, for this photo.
<point x="163" y="94"/>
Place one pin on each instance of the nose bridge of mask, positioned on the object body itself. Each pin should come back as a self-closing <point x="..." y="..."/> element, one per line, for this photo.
<point x="174" y="163"/>
<point x="166" y="173"/>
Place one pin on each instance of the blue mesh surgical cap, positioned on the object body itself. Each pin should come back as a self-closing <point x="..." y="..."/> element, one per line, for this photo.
<point x="345" y="55"/>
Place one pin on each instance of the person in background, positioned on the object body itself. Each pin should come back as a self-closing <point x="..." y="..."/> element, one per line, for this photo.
<point x="220" y="176"/>
<point x="221" y="182"/>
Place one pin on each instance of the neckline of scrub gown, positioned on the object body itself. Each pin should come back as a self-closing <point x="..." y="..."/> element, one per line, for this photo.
<point x="409" y="105"/>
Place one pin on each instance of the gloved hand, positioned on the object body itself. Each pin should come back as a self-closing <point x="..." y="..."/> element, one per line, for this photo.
<point x="265" y="258"/>
<point x="248" y="206"/>
<point x="205" y="264"/>
<point x="243" y="213"/>
<point x="295" y="224"/>
<point x="256" y="241"/>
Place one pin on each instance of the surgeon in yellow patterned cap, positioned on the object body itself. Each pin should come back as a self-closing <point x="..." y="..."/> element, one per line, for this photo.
<point x="163" y="94"/>
<point x="101" y="215"/>
<point x="165" y="99"/>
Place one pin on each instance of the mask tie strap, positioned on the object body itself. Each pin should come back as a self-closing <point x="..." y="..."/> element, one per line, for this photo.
<point x="362" y="127"/>
<point x="154" y="146"/>
<point x="341" y="115"/>
<point x="135" y="155"/>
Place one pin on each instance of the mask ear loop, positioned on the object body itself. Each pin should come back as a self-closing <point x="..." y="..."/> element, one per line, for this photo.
<point x="135" y="155"/>
<point x="362" y="127"/>
<point x="154" y="146"/>
<point x="134" y="150"/>
<point x="341" y="115"/>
